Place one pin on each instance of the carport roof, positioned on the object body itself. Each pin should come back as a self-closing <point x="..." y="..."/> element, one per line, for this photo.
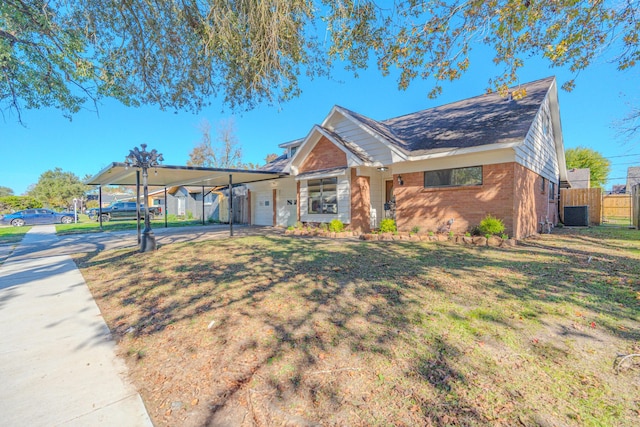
<point x="168" y="176"/>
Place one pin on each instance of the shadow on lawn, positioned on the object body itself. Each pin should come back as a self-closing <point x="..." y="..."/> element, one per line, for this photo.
<point x="292" y="300"/>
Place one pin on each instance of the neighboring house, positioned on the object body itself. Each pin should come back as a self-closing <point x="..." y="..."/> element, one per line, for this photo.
<point x="618" y="189"/>
<point x="187" y="201"/>
<point x="633" y="177"/>
<point x="440" y="168"/>
<point x="579" y="178"/>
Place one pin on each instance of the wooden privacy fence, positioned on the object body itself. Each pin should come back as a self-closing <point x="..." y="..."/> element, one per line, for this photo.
<point x="591" y="197"/>
<point x="616" y="206"/>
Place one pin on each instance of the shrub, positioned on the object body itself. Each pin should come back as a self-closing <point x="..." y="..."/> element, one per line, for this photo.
<point x="189" y="215"/>
<point x="415" y="229"/>
<point x="505" y="236"/>
<point x="336" y="226"/>
<point x="491" y="225"/>
<point x="299" y="225"/>
<point x="388" y="225"/>
<point x="172" y="217"/>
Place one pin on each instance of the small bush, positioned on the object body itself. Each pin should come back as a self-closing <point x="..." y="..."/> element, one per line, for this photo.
<point x="491" y="225"/>
<point x="388" y="225"/>
<point x="172" y="217"/>
<point x="505" y="236"/>
<point x="467" y="234"/>
<point x="189" y="215"/>
<point x="299" y="225"/>
<point x="415" y="229"/>
<point x="324" y="226"/>
<point x="336" y="226"/>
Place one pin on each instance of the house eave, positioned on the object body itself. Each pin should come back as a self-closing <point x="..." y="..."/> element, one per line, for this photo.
<point x="438" y="153"/>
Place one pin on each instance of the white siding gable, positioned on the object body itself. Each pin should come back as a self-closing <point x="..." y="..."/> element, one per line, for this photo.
<point x="538" y="152"/>
<point x="351" y="131"/>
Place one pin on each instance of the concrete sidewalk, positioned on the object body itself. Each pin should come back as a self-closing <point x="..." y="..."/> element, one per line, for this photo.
<point x="57" y="361"/>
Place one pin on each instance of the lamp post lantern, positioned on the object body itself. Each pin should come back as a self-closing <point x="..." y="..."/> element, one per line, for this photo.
<point x="144" y="160"/>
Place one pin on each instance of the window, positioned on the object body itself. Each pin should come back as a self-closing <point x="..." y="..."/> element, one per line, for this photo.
<point x="453" y="177"/>
<point x="293" y="151"/>
<point x="552" y="190"/>
<point x="323" y="196"/>
<point x="544" y="181"/>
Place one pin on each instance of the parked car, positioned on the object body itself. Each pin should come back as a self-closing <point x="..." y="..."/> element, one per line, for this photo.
<point x="127" y="210"/>
<point x="37" y="216"/>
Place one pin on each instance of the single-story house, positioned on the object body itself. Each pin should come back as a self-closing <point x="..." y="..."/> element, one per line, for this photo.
<point x="633" y="178"/>
<point x="187" y="201"/>
<point x="441" y="168"/>
<point x="579" y="177"/>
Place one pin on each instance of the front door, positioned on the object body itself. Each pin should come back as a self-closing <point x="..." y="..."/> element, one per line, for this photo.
<point x="389" y="200"/>
<point x="263" y="209"/>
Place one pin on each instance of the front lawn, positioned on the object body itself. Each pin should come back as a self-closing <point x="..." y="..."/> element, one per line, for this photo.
<point x="11" y="234"/>
<point x="87" y="225"/>
<point x="286" y="331"/>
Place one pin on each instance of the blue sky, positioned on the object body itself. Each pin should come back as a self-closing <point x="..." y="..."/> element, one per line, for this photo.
<point x="91" y="141"/>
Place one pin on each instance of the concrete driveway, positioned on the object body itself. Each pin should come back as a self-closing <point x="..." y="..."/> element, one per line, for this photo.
<point x="57" y="360"/>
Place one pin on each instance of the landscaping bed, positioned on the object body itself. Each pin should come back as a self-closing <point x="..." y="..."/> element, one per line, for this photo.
<point x="274" y="330"/>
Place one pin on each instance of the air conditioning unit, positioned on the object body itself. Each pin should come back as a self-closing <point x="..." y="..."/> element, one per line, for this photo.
<point x="576" y="216"/>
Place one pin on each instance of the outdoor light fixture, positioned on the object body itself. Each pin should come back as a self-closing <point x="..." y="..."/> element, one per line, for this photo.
<point x="144" y="160"/>
<point x="383" y="168"/>
<point x="400" y="181"/>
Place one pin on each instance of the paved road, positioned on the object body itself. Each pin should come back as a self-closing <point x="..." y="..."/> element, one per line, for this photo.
<point x="57" y="360"/>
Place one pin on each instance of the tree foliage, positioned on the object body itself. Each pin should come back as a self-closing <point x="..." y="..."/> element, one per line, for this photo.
<point x="18" y="203"/>
<point x="178" y="54"/>
<point x="5" y="191"/>
<point x="57" y="189"/>
<point x="583" y="157"/>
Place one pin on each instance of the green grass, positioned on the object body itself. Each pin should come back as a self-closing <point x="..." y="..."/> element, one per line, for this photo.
<point x="12" y="234"/>
<point x="87" y="225"/>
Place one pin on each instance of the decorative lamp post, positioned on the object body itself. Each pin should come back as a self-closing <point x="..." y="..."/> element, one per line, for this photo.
<point x="144" y="160"/>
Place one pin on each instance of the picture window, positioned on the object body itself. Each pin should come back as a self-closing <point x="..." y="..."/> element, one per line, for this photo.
<point x="453" y="177"/>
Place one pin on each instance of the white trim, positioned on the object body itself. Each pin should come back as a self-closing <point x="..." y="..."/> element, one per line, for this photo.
<point x="309" y="143"/>
<point x="322" y="174"/>
<point x="462" y="151"/>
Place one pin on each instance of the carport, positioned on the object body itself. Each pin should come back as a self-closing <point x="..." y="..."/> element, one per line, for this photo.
<point x="169" y="176"/>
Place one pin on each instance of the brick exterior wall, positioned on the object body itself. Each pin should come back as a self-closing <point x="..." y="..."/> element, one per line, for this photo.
<point x="360" y="202"/>
<point x="325" y="155"/>
<point x="532" y="204"/>
<point x="509" y="191"/>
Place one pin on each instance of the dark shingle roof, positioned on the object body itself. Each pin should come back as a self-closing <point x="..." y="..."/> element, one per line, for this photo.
<point x="276" y="165"/>
<point x="482" y="120"/>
